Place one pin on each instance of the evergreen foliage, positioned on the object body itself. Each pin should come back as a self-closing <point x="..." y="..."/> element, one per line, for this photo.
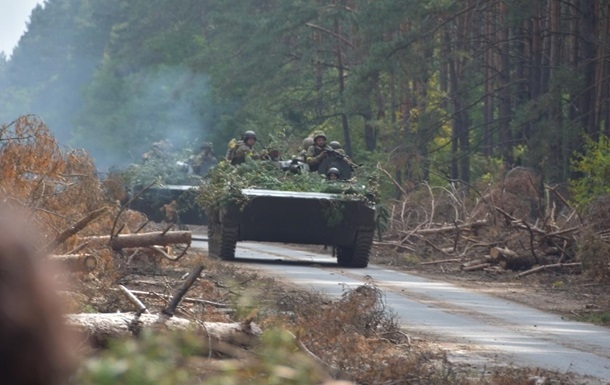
<point x="225" y="183"/>
<point x="425" y="87"/>
<point x="593" y="165"/>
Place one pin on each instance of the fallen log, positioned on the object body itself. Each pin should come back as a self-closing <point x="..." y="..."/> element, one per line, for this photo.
<point x="476" y="261"/>
<point x="134" y="300"/>
<point x="98" y="328"/>
<point x="510" y="259"/>
<point x="480" y="266"/>
<point x="544" y="267"/>
<point x="158" y="238"/>
<point x="72" y="230"/>
<point x="448" y="229"/>
<point x="181" y="291"/>
<point x="75" y="262"/>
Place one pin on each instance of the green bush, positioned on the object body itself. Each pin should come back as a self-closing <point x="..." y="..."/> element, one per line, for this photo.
<point x="594" y="166"/>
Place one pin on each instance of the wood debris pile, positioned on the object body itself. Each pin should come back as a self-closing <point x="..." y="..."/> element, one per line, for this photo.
<point x="517" y="225"/>
<point x="90" y="234"/>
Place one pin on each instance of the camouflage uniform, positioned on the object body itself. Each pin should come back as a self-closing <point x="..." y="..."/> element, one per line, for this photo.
<point x="316" y="154"/>
<point x="307" y="142"/>
<point x="237" y="155"/>
<point x="158" y="150"/>
<point x="241" y="152"/>
<point x="203" y="161"/>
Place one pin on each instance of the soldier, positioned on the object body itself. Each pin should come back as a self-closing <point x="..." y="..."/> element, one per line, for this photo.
<point x="307" y="142"/>
<point x="158" y="150"/>
<point x="332" y="175"/>
<point x="317" y="152"/>
<point x="335" y="145"/>
<point x="243" y="149"/>
<point x="203" y="161"/>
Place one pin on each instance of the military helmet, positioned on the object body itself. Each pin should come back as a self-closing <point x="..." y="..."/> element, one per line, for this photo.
<point x="307" y="142"/>
<point x="248" y="135"/>
<point x="334" y="145"/>
<point x="333" y="170"/>
<point x="318" y="134"/>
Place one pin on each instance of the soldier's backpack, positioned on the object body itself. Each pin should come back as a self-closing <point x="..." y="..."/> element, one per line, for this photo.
<point x="231" y="148"/>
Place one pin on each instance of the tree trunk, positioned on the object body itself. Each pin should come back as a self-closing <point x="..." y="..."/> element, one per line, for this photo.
<point x="347" y="145"/>
<point x="505" y="103"/>
<point x="124" y="241"/>
<point x="100" y="327"/>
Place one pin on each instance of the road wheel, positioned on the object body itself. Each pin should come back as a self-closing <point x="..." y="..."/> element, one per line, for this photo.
<point x="356" y="255"/>
<point x="344" y="256"/>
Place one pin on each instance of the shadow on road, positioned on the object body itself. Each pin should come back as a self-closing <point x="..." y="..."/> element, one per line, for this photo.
<point x="282" y="261"/>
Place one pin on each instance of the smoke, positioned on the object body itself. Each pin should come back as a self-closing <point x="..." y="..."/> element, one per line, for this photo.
<point x="164" y="103"/>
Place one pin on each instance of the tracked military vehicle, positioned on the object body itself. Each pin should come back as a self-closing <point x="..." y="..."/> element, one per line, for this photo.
<point x="153" y="200"/>
<point x="344" y="221"/>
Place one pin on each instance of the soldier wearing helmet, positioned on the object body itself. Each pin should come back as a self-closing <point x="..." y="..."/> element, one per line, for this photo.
<point x="204" y="160"/>
<point x="317" y="152"/>
<point x="243" y="149"/>
<point x="333" y="174"/>
<point x="337" y="147"/>
<point x="307" y="142"/>
<point x="158" y="150"/>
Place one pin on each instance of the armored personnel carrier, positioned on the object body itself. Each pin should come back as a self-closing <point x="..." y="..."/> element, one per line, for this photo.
<point x="317" y="218"/>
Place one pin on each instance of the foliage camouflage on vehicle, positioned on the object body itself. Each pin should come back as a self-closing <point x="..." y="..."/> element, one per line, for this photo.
<point x="225" y="183"/>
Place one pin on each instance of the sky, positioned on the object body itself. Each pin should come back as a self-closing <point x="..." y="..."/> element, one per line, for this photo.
<point x="14" y="14"/>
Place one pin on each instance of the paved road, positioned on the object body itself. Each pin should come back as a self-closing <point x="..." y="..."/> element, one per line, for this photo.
<point x="479" y="326"/>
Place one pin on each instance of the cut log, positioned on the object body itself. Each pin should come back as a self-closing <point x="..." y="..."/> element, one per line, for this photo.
<point x="75" y="262"/>
<point x="500" y="252"/>
<point x="480" y="266"/>
<point x="477" y="261"/>
<point x="124" y="241"/>
<point x="98" y="328"/>
<point x="511" y="260"/>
